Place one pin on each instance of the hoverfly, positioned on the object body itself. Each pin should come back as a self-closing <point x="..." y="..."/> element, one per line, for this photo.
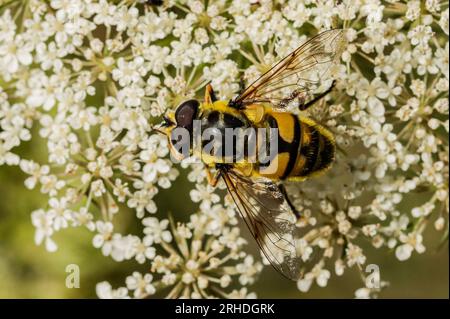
<point x="305" y="148"/>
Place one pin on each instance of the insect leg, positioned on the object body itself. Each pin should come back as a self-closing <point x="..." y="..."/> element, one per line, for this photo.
<point x="241" y="85"/>
<point x="303" y="107"/>
<point x="212" y="179"/>
<point x="232" y="103"/>
<point x="210" y="95"/>
<point x="286" y="197"/>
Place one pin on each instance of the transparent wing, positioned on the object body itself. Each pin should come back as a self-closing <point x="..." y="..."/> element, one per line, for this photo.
<point x="300" y="76"/>
<point x="269" y="219"/>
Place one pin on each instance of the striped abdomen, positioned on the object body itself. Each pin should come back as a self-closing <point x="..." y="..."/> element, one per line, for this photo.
<point x="304" y="147"/>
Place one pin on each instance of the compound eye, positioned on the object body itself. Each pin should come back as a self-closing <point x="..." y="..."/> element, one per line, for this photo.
<point x="186" y="113"/>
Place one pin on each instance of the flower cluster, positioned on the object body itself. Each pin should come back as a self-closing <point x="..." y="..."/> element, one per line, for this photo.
<point x="199" y="264"/>
<point x="85" y="80"/>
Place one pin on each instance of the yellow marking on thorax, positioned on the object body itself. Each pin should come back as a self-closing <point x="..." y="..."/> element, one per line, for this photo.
<point x="221" y="106"/>
<point x="209" y="159"/>
<point x="255" y="113"/>
<point x="245" y="168"/>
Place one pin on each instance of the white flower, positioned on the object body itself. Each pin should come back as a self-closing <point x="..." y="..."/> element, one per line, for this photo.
<point x="354" y="255"/>
<point x="98" y="188"/>
<point x="372" y="93"/>
<point x="318" y="274"/>
<point x="152" y="170"/>
<point x="140" y="285"/>
<point x="420" y="35"/>
<point x="362" y="293"/>
<point x="14" y="54"/>
<point x="61" y="214"/>
<point x="248" y="270"/>
<point x="143" y="250"/>
<point x="6" y="156"/>
<point x="103" y="237"/>
<point x="83" y="218"/>
<point x="204" y="195"/>
<point x="35" y="170"/>
<point x="443" y="22"/>
<point x="43" y="221"/>
<point x="156" y="231"/>
<point x="411" y="242"/>
<point x="105" y="291"/>
<point x="128" y="72"/>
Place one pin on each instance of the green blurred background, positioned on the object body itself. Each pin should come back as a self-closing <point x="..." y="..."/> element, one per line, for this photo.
<point x="29" y="271"/>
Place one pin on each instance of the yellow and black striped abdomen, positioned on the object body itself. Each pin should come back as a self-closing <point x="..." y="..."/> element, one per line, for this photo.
<point x="317" y="150"/>
<point x="305" y="148"/>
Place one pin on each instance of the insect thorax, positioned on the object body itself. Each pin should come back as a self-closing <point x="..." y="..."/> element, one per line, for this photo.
<point x="224" y="133"/>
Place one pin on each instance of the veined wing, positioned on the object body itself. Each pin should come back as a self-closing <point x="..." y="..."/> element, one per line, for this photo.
<point x="300" y="76"/>
<point x="269" y="219"/>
